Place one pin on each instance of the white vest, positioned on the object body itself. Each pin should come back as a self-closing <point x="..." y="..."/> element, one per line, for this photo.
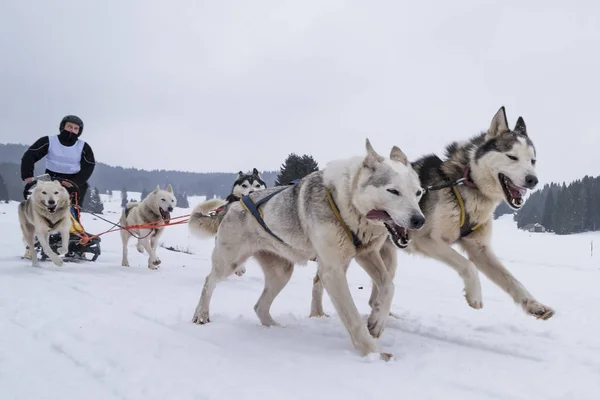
<point x="64" y="159"/>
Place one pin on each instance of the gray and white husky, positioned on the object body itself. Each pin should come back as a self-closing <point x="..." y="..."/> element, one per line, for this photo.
<point x="155" y="208"/>
<point x="475" y="177"/>
<point x="334" y="215"/>
<point x="246" y="184"/>
<point x="46" y="211"/>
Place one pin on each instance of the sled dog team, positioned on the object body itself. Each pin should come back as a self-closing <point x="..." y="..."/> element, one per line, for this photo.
<point x="361" y="208"/>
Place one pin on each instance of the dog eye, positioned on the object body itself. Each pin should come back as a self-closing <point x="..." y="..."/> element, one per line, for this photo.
<point x="394" y="192"/>
<point x="244" y="185"/>
<point x="512" y="157"/>
<point x="419" y="192"/>
<point x="533" y="162"/>
<point x="44" y="193"/>
<point x="55" y="192"/>
<point x="162" y="200"/>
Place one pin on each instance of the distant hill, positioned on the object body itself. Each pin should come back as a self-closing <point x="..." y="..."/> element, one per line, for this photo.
<point x="108" y="177"/>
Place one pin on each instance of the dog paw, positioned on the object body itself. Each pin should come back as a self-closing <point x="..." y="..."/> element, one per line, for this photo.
<point x="58" y="262"/>
<point x="153" y="266"/>
<point x="537" y="309"/>
<point x="386" y="356"/>
<point x="140" y="248"/>
<point x="156" y="261"/>
<point x="201" y="318"/>
<point x="473" y="294"/>
<point x="240" y="271"/>
<point x="375" y="324"/>
<point x="62" y="250"/>
<point x="474" y="302"/>
<point x="124" y="264"/>
<point x="318" y="314"/>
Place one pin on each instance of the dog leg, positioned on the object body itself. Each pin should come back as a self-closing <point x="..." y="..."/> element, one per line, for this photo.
<point x="43" y="239"/>
<point x="153" y="244"/>
<point x="152" y="262"/>
<point x="465" y="268"/>
<point x="335" y="282"/>
<point x="64" y="239"/>
<point x="29" y="237"/>
<point x="316" y="305"/>
<point x="125" y="235"/>
<point x="140" y="246"/>
<point x="380" y="305"/>
<point x="221" y="269"/>
<point x="389" y="255"/>
<point x="487" y="262"/>
<point x="278" y="272"/>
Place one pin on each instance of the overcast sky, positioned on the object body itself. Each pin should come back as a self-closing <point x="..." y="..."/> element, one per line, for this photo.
<point x="232" y="85"/>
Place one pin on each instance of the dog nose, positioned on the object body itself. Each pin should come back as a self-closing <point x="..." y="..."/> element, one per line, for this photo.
<point x="531" y="181"/>
<point x="170" y="209"/>
<point x="417" y="221"/>
<point x="51" y="202"/>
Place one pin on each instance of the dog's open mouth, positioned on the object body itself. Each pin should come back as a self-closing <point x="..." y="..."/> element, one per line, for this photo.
<point x="51" y="208"/>
<point x="164" y="214"/>
<point x="400" y="235"/>
<point x="513" y="193"/>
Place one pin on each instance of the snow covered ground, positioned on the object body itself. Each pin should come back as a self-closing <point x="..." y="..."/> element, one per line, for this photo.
<point x="101" y="331"/>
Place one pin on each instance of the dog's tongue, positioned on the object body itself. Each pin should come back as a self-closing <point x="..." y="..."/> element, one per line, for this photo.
<point x="517" y="191"/>
<point x="379" y="215"/>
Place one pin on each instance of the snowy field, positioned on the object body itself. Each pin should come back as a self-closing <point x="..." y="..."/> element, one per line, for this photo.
<point x="101" y="331"/>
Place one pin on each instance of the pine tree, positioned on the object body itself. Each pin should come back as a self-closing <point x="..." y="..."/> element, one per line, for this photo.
<point x="502" y="209"/>
<point x="295" y="167"/>
<point x="548" y="214"/>
<point x="123" y="197"/>
<point x="95" y="202"/>
<point x="3" y="190"/>
<point x="182" y="200"/>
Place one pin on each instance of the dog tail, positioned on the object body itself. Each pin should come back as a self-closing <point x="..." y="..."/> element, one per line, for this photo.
<point x="126" y="210"/>
<point x="203" y="225"/>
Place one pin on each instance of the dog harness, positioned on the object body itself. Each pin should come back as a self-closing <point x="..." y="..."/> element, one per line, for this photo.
<point x="466" y="226"/>
<point x="51" y="224"/>
<point x="253" y="208"/>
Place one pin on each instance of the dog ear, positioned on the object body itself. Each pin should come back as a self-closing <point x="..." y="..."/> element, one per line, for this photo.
<point x="170" y="188"/>
<point x="499" y="124"/>
<point x="520" y="127"/>
<point x="255" y="172"/>
<point x="157" y="188"/>
<point x="398" y="155"/>
<point x="240" y="174"/>
<point x="372" y="159"/>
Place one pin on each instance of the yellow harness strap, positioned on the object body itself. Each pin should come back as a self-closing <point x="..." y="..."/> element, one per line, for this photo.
<point x="464" y="217"/>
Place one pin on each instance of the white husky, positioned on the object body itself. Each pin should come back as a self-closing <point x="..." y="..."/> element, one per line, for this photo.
<point x="45" y="212"/>
<point x="155" y="208"/>
<point x="342" y="213"/>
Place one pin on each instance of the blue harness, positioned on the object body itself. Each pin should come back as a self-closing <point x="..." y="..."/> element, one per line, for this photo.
<point x="253" y="208"/>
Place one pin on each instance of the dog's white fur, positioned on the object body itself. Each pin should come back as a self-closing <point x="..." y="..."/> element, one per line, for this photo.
<point x="35" y="214"/>
<point x="144" y="212"/>
<point x="303" y="219"/>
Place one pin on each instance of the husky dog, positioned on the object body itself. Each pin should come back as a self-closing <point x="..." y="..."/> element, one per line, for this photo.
<point x="246" y="184"/>
<point x="155" y="208"/>
<point x="333" y="216"/>
<point x="243" y="185"/>
<point x="46" y="211"/>
<point x="475" y="177"/>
